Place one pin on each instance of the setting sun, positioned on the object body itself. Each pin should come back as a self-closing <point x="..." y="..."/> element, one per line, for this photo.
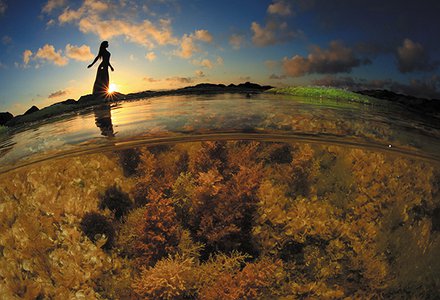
<point x="112" y="88"/>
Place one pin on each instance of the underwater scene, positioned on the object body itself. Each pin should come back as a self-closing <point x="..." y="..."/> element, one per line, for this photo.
<point x="221" y="197"/>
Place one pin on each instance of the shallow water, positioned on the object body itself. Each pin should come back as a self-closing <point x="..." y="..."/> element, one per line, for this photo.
<point x="222" y="198"/>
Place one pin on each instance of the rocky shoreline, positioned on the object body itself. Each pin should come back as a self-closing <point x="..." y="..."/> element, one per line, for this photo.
<point x="420" y="105"/>
<point x="35" y="114"/>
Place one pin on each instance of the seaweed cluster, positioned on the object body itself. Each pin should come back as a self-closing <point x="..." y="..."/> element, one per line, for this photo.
<point x="223" y="220"/>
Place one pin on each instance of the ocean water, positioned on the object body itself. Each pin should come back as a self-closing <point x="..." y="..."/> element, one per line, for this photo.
<point x="222" y="197"/>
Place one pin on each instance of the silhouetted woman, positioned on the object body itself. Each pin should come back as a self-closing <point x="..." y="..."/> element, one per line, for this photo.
<point x="100" y="88"/>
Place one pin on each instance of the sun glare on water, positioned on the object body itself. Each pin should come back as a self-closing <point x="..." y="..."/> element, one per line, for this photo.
<point x="112" y="88"/>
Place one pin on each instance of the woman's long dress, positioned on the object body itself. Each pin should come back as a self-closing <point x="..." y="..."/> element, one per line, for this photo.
<point x="100" y="88"/>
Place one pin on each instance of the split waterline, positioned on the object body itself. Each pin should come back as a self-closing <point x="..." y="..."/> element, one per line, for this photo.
<point x="225" y="196"/>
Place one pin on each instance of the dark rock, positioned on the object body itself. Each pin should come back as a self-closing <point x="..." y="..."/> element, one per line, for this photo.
<point x="31" y="110"/>
<point x="5" y="117"/>
<point x="253" y="86"/>
<point x="68" y="102"/>
<point x="95" y="225"/>
<point x="431" y="106"/>
<point x="88" y="98"/>
<point x="115" y="200"/>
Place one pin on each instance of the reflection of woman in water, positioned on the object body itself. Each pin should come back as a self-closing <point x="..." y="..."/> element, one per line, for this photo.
<point x="100" y="88"/>
<point x="103" y="119"/>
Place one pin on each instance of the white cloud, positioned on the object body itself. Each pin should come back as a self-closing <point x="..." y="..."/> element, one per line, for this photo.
<point x="150" y="56"/>
<point x="53" y="4"/>
<point x="27" y="54"/>
<point x="3" y="7"/>
<point x="279" y="8"/>
<point x="48" y="53"/>
<point x="81" y="53"/>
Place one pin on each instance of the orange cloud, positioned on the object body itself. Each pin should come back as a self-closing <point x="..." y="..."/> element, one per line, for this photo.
<point x="203" y="63"/>
<point x="82" y="53"/>
<point x="203" y="35"/>
<point x="188" y="44"/>
<point x="336" y="59"/>
<point x="236" y="41"/>
<point x="145" y="33"/>
<point x="279" y="8"/>
<point x="48" y="53"/>
<point x="53" y="4"/>
<point x="27" y="56"/>
<point x="150" y="56"/>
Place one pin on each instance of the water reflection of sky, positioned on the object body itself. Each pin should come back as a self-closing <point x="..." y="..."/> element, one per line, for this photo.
<point x="189" y="115"/>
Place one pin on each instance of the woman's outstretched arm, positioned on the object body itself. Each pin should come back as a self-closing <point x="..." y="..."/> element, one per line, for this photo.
<point x="96" y="58"/>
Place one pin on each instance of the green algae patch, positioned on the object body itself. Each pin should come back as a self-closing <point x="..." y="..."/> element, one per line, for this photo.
<point x="322" y="93"/>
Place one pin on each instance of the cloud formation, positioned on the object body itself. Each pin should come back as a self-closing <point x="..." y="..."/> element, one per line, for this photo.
<point x="188" y="44"/>
<point x="203" y="63"/>
<point x="27" y="54"/>
<point x="336" y="59"/>
<point x="3" y="7"/>
<point x="236" y="41"/>
<point x="91" y="18"/>
<point x="48" y="53"/>
<point x="53" y="4"/>
<point x="150" y="56"/>
<point x="179" y="80"/>
<point x="277" y="77"/>
<point x="57" y="94"/>
<point x="273" y="33"/>
<point x="412" y="57"/>
<point x="203" y="35"/>
<point x="150" y="79"/>
<point x="199" y="73"/>
<point x="81" y="53"/>
<point x="279" y="8"/>
<point x="145" y="33"/>
<point x="275" y="30"/>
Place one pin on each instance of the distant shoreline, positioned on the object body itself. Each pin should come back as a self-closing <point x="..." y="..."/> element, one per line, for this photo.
<point x="423" y="106"/>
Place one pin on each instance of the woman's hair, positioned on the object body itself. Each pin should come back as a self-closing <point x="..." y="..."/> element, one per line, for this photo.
<point x="104" y="45"/>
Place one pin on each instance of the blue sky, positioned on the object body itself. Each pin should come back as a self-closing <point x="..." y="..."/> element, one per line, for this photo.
<point x="162" y="44"/>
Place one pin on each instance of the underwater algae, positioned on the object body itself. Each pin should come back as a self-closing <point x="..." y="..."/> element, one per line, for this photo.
<point x="221" y="220"/>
